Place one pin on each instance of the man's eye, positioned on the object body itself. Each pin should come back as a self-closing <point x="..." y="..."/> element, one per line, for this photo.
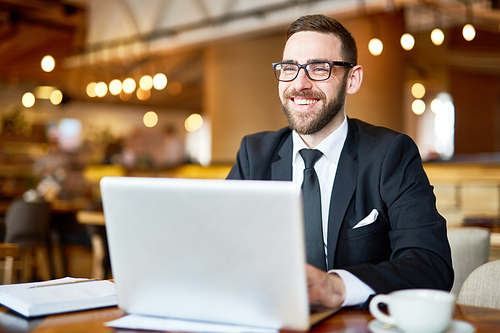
<point x="288" y="68"/>
<point x="319" y="70"/>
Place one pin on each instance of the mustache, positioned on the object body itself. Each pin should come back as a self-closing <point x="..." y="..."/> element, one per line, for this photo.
<point x="305" y="94"/>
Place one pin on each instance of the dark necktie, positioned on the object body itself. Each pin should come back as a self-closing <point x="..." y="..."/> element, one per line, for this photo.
<point x="312" y="209"/>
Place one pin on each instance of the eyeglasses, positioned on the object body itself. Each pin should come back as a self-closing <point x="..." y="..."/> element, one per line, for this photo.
<point x="315" y="70"/>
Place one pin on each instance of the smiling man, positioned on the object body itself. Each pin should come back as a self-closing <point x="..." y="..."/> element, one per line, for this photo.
<point x="371" y="223"/>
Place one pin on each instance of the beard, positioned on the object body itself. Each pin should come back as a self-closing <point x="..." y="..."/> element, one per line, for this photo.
<point x="313" y="122"/>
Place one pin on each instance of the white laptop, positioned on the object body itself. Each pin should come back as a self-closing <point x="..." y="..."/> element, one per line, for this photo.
<point x="223" y="251"/>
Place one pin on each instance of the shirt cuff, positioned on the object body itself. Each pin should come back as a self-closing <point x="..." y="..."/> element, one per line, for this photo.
<point x="356" y="291"/>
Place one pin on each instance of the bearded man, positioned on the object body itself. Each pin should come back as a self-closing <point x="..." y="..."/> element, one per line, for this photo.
<point x="371" y="223"/>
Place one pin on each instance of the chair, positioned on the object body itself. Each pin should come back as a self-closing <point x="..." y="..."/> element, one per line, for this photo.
<point x="27" y="225"/>
<point x="470" y="248"/>
<point x="96" y="229"/>
<point x="482" y="287"/>
<point x="8" y="252"/>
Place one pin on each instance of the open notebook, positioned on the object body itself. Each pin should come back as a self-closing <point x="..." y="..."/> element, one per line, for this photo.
<point x="208" y="250"/>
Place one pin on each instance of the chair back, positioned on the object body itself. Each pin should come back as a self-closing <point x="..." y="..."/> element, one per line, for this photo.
<point x="27" y="223"/>
<point x="470" y="248"/>
<point x="482" y="286"/>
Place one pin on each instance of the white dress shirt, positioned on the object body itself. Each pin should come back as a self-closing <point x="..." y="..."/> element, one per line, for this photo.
<point x="357" y="292"/>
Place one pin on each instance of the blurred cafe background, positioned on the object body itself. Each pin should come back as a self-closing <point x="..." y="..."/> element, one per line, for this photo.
<point x="167" y="88"/>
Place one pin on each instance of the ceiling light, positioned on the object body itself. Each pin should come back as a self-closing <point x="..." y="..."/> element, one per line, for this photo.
<point x="48" y="63"/>
<point x="142" y="94"/>
<point x="418" y="107"/>
<point x="129" y="85"/>
<point x="146" y="82"/>
<point x="193" y="122"/>
<point x="436" y="105"/>
<point x="101" y="89"/>
<point x="437" y="36"/>
<point x="160" y="81"/>
<point x="28" y="100"/>
<point x="56" y="97"/>
<point x="375" y="46"/>
<point x="468" y="32"/>
<point x="150" y="119"/>
<point x="91" y="89"/>
<point x="124" y="96"/>
<point x="407" y="41"/>
<point x="418" y="90"/>
<point x="115" y="87"/>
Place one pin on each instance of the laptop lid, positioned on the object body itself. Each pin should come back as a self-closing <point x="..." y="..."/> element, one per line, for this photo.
<point x="223" y="251"/>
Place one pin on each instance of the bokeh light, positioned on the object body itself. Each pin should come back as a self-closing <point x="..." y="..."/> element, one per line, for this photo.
<point x="48" y="63"/>
<point x="28" y="100"/>
<point x="150" y="119"/>
<point x="193" y="122"/>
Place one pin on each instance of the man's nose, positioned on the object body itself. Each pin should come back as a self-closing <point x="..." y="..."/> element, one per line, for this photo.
<point x="302" y="81"/>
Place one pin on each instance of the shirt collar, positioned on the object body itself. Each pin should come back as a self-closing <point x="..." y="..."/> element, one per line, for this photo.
<point x="331" y="146"/>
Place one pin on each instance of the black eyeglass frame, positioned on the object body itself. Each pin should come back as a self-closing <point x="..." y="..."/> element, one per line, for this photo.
<point x="332" y="63"/>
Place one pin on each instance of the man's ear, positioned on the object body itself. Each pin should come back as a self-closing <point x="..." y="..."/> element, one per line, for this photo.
<point x="354" y="79"/>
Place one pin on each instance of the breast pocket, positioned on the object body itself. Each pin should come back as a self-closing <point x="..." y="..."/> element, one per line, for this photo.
<point x="364" y="230"/>
<point x="366" y="244"/>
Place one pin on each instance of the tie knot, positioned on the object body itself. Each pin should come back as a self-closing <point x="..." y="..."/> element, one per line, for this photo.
<point x="310" y="157"/>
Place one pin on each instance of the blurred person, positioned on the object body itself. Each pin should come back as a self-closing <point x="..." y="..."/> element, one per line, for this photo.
<point x="173" y="148"/>
<point x="51" y="172"/>
<point x="376" y="227"/>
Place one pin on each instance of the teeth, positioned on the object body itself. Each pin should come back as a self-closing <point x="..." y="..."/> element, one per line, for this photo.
<point x="303" y="101"/>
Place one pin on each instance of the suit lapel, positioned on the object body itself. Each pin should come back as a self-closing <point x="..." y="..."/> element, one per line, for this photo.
<point x="281" y="169"/>
<point x="343" y="189"/>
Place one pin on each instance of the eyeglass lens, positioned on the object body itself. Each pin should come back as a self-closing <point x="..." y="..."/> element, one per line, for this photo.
<point x="315" y="71"/>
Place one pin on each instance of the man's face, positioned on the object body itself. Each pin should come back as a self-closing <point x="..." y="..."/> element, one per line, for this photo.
<point x="310" y="105"/>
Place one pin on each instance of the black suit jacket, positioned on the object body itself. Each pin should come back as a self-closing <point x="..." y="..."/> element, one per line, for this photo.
<point x="407" y="246"/>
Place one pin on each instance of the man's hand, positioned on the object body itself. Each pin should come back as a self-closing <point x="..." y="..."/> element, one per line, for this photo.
<point x="324" y="288"/>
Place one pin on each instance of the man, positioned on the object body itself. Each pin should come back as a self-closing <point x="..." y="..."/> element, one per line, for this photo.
<point x="380" y="227"/>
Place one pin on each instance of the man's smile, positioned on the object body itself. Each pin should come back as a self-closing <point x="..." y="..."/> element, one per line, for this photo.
<point x="304" y="101"/>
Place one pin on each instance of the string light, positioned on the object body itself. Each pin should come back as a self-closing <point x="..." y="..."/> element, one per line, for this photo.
<point x="56" y="97"/>
<point x="418" y="90"/>
<point x="115" y="87"/>
<point x="28" y="100"/>
<point x="407" y="41"/>
<point x="193" y="122"/>
<point x="142" y="94"/>
<point x="437" y="36"/>
<point x="160" y="81"/>
<point x="124" y="96"/>
<point x="436" y="105"/>
<point x="418" y="107"/>
<point x="91" y="89"/>
<point x="468" y="32"/>
<point x="146" y="82"/>
<point x="129" y="85"/>
<point x="101" y="89"/>
<point x="150" y="119"/>
<point x="48" y="63"/>
<point x="375" y="46"/>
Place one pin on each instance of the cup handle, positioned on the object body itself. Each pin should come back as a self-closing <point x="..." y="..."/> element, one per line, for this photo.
<point x="375" y="311"/>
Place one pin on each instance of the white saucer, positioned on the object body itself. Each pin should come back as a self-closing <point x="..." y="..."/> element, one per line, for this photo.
<point x="457" y="326"/>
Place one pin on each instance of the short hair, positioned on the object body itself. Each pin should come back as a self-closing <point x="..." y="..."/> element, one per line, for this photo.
<point x="328" y="25"/>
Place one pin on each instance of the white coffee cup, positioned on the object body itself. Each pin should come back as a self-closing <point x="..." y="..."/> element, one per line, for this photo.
<point x="415" y="310"/>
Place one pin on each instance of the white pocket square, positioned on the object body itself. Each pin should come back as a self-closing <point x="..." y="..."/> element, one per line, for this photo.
<point x="367" y="220"/>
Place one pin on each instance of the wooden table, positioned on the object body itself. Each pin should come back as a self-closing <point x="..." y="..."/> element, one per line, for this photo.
<point x="485" y="320"/>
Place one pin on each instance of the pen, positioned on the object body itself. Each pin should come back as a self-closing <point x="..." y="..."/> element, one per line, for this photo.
<point x="62" y="283"/>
